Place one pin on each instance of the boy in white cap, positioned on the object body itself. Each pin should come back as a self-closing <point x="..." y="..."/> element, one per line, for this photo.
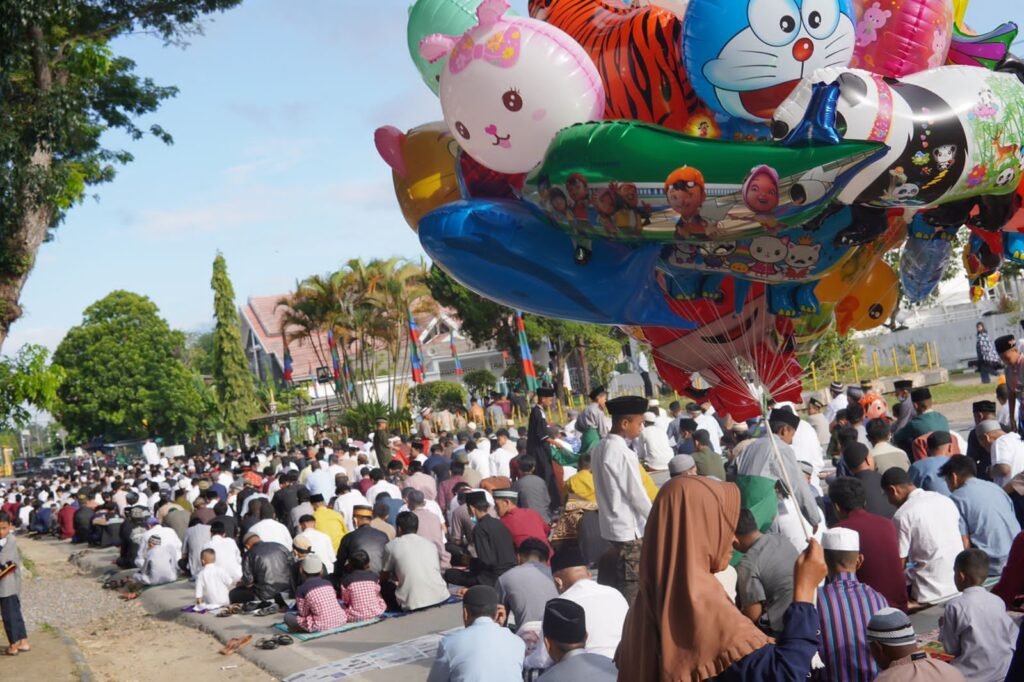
<point x="894" y="647"/>
<point x="845" y="606"/>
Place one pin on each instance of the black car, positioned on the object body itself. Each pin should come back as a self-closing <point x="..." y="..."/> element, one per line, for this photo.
<point x="27" y="466"/>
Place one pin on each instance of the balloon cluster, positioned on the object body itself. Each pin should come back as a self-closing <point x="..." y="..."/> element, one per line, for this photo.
<point x="721" y="178"/>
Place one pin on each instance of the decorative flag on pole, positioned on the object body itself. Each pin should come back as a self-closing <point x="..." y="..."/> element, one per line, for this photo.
<point x="415" y="352"/>
<point x="335" y="362"/>
<point x="455" y="355"/>
<point x="524" y="349"/>
<point x="289" y="369"/>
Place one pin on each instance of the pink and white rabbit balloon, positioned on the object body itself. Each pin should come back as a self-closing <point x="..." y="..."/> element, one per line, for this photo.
<point x="511" y="84"/>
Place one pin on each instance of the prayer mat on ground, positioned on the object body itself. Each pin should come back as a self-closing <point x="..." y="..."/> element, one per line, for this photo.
<point x="307" y="636"/>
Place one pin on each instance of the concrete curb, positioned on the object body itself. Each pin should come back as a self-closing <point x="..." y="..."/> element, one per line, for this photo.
<point x="77" y="657"/>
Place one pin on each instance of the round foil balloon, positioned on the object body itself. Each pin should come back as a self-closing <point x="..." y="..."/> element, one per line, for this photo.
<point x="745" y="56"/>
<point x="422" y="166"/>
<point x="899" y="37"/>
<point x="510" y="84"/>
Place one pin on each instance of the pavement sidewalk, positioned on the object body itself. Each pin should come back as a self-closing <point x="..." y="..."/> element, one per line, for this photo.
<point x="166" y="601"/>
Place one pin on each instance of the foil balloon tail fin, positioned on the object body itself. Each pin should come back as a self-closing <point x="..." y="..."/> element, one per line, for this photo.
<point x="986" y="50"/>
<point x="819" y="124"/>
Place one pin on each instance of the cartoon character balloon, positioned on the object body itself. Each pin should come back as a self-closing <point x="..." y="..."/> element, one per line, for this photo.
<point x="427" y="17"/>
<point x="637" y="52"/>
<point x="510" y="84"/>
<point x="422" y="167"/>
<point x="954" y="133"/>
<point x="744" y="57"/>
<point x="874" y="406"/>
<point x="899" y="37"/>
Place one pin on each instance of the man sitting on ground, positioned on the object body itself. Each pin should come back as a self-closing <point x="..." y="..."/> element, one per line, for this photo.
<point x="605" y="606"/>
<point x="266" y="571"/>
<point x="484" y="650"/>
<point x="862" y="467"/>
<point x="924" y="473"/>
<point x="526" y="588"/>
<point x="987" y="519"/>
<point x="413" y="562"/>
<point x="764" y="583"/>
<point x="213" y="583"/>
<point x="894" y="647"/>
<point x="521" y="523"/>
<point x="565" y="637"/>
<point x="883" y="452"/>
<point x="316" y="603"/>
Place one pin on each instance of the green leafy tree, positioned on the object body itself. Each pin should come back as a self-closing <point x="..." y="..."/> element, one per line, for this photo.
<point x="62" y="88"/>
<point x="483" y="320"/>
<point x="480" y="381"/>
<point x="26" y="380"/>
<point x="438" y="395"/>
<point x="124" y="374"/>
<point x="232" y="379"/>
<point x="199" y="352"/>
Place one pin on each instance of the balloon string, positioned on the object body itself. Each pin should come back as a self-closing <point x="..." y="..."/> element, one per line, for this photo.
<point x="805" y="526"/>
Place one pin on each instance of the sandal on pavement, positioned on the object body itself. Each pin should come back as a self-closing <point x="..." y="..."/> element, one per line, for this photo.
<point x="251" y="607"/>
<point x="267" y="611"/>
<point x="231" y="646"/>
<point x="11" y="651"/>
<point x="267" y="644"/>
<point x="284" y="640"/>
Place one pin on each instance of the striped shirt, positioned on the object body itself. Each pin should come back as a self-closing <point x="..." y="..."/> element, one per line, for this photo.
<point x="845" y="606"/>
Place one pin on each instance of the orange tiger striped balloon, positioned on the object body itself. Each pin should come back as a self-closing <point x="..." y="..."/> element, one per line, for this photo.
<point x="638" y="53"/>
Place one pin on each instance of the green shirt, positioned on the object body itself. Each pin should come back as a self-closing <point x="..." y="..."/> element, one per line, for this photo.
<point x="920" y="425"/>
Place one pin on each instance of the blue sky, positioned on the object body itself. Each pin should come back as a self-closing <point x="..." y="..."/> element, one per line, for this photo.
<point x="273" y="163"/>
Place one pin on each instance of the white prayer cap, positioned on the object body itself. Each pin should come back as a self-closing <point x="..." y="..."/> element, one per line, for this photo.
<point x="649" y="417"/>
<point x="471" y="426"/>
<point x="988" y="426"/>
<point x="653" y="402"/>
<point x="842" y="539"/>
<point x="680" y="464"/>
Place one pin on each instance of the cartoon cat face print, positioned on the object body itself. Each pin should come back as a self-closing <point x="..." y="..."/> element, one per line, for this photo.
<point x="803" y="256"/>
<point x="781" y="42"/>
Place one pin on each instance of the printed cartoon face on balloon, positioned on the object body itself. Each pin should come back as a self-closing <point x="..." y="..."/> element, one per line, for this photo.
<point x="745" y="56"/>
<point x="512" y="83"/>
<point x="684" y="189"/>
<point x="874" y="406"/>
<point x="761" y="190"/>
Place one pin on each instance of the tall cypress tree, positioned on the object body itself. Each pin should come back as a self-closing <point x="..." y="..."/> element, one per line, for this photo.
<point x="231" y="376"/>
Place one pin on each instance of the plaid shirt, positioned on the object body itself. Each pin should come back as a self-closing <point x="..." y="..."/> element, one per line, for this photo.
<point x="318" y="607"/>
<point x="363" y="600"/>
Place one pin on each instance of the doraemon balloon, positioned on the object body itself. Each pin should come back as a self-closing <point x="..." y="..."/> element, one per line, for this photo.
<point x="744" y="57"/>
<point x="510" y="84"/>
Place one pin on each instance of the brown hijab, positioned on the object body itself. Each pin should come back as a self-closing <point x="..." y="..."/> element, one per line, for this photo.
<point x="683" y="626"/>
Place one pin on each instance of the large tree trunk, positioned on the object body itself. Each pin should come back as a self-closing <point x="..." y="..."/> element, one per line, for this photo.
<point x="23" y="244"/>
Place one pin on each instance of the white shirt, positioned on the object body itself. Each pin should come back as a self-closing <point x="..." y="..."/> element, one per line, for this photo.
<point x="344" y="504"/>
<point x="605" y="609"/>
<point x="480" y="461"/>
<point x="710" y="424"/>
<point x="212" y="586"/>
<point x="807" y="448"/>
<point x="228" y="556"/>
<point x="1003" y="413"/>
<point x="500" y="458"/>
<point x="1007" y="450"/>
<point x="622" y="501"/>
<point x="160" y="567"/>
<point x="928" y="527"/>
<point x="653" y="448"/>
<point x="383" y="486"/>
<point x="270" y="530"/>
<point x="838" y="403"/>
<point x="168" y="539"/>
<point x="320" y="543"/>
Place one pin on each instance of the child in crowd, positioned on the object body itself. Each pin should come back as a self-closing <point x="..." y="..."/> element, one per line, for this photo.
<point x="360" y="589"/>
<point x="10" y="588"/>
<point x="975" y="627"/>
<point x="213" y="582"/>
<point x="316" y="603"/>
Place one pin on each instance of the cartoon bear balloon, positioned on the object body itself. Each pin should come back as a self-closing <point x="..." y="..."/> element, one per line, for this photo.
<point x="744" y="57"/>
<point x="510" y="84"/>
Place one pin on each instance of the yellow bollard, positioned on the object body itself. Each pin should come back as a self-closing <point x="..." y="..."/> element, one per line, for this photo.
<point x="835" y="371"/>
<point x="814" y="376"/>
<point x="913" y="357"/>
<point x="935" y="352"/>
<point x="928" y="352"/>
<point x="874" y="361"/>
<point x="895" y="364"/>
<point x="856" y="371"/>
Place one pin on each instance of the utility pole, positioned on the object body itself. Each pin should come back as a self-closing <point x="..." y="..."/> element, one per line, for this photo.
<point x="581" y="348"/>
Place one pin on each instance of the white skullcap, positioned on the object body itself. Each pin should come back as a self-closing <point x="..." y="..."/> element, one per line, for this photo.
<point x="649" y="417"/>
<point x="841" y="539"/>
<point x="988" y="426"/>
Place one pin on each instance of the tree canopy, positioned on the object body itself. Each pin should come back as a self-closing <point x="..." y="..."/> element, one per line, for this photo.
<point x="232" y="379"/>
<point x="124" y="374"/>
<point x="26" y="380"/>
<point x="62" y="87"/>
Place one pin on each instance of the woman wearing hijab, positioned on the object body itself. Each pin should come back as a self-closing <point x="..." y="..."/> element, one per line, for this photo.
<point x="683" y="627"/>
<point x="988" y="359"/>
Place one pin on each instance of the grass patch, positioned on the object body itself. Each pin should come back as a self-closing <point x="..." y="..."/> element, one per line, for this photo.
<point x="952" y="393"/>
<point x="47" y="628"/>
<point x="28" y="564"/>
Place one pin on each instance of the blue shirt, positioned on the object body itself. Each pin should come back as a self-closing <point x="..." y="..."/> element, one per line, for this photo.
<point x="482" y="651"/>
<point x="986" y="514"/>
<point x="924" y="473"/>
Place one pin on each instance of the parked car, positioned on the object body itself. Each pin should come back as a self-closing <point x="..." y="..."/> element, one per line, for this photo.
<point x="27" y="466"/>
